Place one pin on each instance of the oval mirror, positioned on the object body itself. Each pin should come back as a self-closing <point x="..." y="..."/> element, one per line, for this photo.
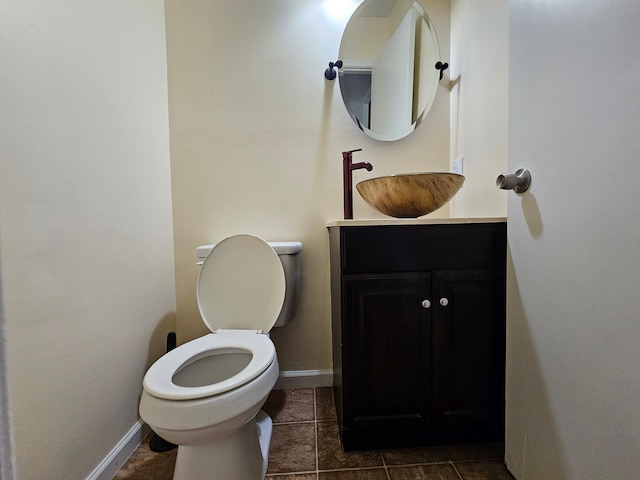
<point x="388" y="78"/>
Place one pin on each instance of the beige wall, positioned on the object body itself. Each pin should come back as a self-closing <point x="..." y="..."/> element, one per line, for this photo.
<point x="479" y="95"/>
<point x="256" y="141"/>
<point x="85" y="212"/>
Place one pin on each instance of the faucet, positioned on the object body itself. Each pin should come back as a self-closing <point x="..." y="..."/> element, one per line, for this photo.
<point x="347" y="180"/>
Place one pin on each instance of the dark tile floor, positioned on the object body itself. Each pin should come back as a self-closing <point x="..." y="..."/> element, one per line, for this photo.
<point x="306" y="446"/>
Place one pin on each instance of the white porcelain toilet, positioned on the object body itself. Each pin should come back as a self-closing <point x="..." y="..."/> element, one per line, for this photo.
<point x="205" y="396"/>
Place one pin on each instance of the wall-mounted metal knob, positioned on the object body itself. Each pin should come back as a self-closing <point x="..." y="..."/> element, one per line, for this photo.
<point x="519" y="182"/>
<point x="330" y="73"/>
<point x="426" y="304"/>
<point x="444" y="301"/>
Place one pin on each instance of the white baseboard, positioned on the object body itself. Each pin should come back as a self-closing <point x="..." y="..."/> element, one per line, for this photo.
<point x="121" y="452"/>
<point x="290" y="379"/>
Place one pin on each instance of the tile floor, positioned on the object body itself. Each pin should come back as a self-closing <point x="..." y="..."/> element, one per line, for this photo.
<point x="306" y="446"/>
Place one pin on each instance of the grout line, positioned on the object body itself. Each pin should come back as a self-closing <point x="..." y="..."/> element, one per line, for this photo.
<point x="315" y="418"/>
<point x="417" y="464"/>
<point x="295" y="422"/>
<point x="384" y="464"/>
<point x="352" y="469"/>
<point x="288" y="474"/>
<point x="456" y="470"/>
<point x="330" y="470"/>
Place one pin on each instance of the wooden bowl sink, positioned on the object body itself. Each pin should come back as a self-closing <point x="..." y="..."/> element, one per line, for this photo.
<point x="410" y="195"/>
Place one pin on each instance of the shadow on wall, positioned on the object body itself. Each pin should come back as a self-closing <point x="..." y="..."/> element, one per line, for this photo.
<point x="158" y="341"/>
<point x="531" y="213"/>
<point x="525" y="458"/>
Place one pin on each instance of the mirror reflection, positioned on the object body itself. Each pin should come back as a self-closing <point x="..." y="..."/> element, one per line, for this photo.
<point x="388" y="79"/>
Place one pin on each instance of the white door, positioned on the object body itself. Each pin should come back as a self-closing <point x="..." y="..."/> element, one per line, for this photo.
<point x="573" y="335"/>
<point x="392" y="82"/>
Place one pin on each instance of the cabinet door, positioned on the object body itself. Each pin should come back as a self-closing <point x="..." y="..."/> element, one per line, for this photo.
<point x="387" y="345"/>
<point x="469" y="347"/>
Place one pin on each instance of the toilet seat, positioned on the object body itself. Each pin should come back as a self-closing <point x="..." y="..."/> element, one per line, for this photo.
<point x="240" y="292"/>
<point x="158" y="381"/>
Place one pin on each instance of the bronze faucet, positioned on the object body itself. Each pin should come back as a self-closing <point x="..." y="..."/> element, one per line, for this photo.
<point x="347" y="180"/>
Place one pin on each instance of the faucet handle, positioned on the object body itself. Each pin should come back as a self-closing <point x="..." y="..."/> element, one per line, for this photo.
<point x="348" y="153"/>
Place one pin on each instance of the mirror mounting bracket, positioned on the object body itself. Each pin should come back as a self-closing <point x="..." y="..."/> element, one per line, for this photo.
<point x="330" y="73"/>
<point x="442" y="67"/>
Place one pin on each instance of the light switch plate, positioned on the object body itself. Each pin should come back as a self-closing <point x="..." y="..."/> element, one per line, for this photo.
<point x="457" y="166"/>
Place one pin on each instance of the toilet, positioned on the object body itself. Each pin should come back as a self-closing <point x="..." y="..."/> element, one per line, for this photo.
<point x="206" y="395"/>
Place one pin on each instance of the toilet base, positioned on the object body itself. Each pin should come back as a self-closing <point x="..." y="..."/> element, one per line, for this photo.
<point x="241" y="456"/>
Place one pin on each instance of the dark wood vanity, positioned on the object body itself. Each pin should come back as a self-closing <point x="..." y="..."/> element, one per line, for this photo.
<point x="418" y="321"/>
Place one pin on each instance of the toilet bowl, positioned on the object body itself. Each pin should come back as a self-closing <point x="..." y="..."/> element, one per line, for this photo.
<point x="205" y="396"/>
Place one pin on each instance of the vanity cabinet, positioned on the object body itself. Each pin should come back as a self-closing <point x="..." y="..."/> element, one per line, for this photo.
<point x="418" y="327"/>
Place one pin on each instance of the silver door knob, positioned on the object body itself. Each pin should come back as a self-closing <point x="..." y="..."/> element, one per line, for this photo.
<point x="444" y="302"/>
<point x="519" y="182"/>
<point x="426" y="304"/>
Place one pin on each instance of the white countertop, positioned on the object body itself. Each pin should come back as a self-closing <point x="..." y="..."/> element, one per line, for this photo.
<point x="413" y="221"/>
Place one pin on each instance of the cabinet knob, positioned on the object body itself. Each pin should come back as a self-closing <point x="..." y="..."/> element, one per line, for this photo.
<point x="444" y="302"/>
<point x="426" y="304"/>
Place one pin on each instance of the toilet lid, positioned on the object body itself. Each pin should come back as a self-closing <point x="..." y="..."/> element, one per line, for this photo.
<point x="241" y="285"/>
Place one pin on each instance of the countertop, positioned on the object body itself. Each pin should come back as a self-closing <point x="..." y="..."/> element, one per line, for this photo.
<point x="414" y="221"/>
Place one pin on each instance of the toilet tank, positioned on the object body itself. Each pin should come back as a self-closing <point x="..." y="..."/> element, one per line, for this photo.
<point x="288" y="255"/>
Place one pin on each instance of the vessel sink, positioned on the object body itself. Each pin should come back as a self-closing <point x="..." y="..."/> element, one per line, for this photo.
<point x="410" y="195"/>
